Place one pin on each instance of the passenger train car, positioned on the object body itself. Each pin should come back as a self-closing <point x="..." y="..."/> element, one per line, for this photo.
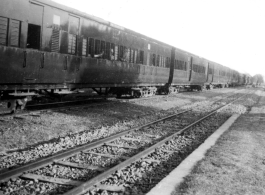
<point x="49" y="48"/>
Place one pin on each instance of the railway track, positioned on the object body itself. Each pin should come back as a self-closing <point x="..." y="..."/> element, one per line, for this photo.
<point x="119" y="150"/>
<point x="36" y="109"/>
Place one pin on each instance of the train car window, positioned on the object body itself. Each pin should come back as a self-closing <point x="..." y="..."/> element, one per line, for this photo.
<point x="15" y="34"/>
<point x="84" y="47"/>
<point x="135" y="55"/>
<point x="185" y="66"/>
<point x="33" y="40"/>
<point x="97" y="47"/>
<point x="141" y="60"/>
<point x="160" y="61"/>
<point x="148" y="59"/>
<point x="116" y="52"/>
<point x="91" y="46"/>
<point x="112" y="51"/>
<point x="3" y="30"/>
<point x="55" y="47"/>
<point x="103" y="49"/>
<point x="128" y="54"/>
<point x="108" y="51"/>
<point x="154" y="60"/>
<point x="157" y="60"/>
<point x="71" y="44"/>
<point x="121" y="56"/>
<point x="131" y="55"/>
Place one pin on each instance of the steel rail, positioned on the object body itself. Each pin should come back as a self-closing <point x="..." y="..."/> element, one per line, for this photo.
<point x="65" y="154"/>
<point x="89" y="184"/>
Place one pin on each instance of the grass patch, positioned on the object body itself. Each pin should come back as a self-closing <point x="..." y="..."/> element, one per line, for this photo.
<point x="235" y="165"/>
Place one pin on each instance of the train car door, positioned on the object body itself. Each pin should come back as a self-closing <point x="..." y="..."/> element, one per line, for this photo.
<point x="171" y="73"/>
<point x="190" y="69"/>
<point x="32" y="55"/>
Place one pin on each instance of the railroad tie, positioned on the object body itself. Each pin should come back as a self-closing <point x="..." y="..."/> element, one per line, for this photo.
<point x="120" y="146"/>
<point x="52" y="179"/>
<point x="107" y="155"/>
<point x="136" y="139"/>
<point x="80" y="166"/>
<point x="111" y="188"/>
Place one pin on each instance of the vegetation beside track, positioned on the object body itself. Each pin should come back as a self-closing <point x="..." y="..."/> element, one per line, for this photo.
<point x="236" y="164"/>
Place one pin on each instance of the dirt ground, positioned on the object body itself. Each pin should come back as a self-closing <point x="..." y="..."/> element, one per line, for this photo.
<point x="236" y="164"/>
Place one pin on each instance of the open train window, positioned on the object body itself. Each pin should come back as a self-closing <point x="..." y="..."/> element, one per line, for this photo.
<point x="91" y="47"/>
<point x="112" y="51"/>
<point x="84" y="47"/>
<point x="157" y="60"/>
<point x="97" y="47"/>
<point x="103" y="48"/>
<point x="132" y="56"/>
<point x="154" y="60"/>
<point x="121" y="49"/>
<point x="116" y="51"/>
<point x="33" y="41"/>
<point x="135" y="55"/>
<point x="148" y="61"/>
<point x="3" y="30"/>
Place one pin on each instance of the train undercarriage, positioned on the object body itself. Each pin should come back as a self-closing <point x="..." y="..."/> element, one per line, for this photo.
<point x="18" y="99"/>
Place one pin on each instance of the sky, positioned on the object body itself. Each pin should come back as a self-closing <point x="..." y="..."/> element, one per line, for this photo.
<point x="229" y="32"/>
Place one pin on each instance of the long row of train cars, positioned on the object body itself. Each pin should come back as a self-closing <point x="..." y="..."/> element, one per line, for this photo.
<point x="46" y="47"/>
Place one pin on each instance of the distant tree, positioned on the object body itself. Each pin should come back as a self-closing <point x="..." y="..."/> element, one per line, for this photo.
<point x="257" y="79"/>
